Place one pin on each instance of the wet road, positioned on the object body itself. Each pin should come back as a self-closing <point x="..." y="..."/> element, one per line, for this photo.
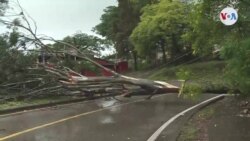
<point x="133" y="119"/>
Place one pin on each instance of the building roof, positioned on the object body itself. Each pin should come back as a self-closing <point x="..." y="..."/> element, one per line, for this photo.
<point x="103" y="62"/>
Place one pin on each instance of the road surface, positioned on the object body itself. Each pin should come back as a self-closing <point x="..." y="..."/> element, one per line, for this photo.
<point x="131" y="119"/>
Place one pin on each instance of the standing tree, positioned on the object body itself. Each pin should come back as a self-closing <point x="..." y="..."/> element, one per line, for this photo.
<point x="207" y="33"/>
<point x="3" y="6"/>
<point x="85" y="43"/>
<point x="109" y="24"/>
<point x="117" y="24"/>
<point x="162" y="26"/>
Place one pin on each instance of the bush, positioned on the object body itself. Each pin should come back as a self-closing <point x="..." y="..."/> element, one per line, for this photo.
<point x="183" y="74"/>
<point x="238" y="67"/>
<point x="192" y="91"/>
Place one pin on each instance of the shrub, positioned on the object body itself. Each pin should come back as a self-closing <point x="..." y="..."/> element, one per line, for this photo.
<point x="238" y="67"/>
<point x="192" y="91"/>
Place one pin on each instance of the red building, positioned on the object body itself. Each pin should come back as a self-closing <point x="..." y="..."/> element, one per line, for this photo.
<point x="119" y="67"/>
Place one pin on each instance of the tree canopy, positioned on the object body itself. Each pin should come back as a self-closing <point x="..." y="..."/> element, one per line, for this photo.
<point x="85" y="43"/>
<point x="175" y="27"/>
<point x="9" y="54"/>
<point x="146" y="28"/>
<point x="161" y="27"/>
<point x="108" y="26"/>
<point x="117" y="24"/>
<point x="3" y="6"/>
<point x="207" y="33"/>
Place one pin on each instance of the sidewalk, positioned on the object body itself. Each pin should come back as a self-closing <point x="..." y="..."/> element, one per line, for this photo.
<point x="220" y="121"/>
<point x="228" y="124"/>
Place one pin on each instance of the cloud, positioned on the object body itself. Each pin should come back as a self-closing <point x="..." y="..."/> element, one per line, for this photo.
<point x="59" y="18"/>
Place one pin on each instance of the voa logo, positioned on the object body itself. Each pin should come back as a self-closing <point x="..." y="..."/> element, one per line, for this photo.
<point x="229" y="16"/>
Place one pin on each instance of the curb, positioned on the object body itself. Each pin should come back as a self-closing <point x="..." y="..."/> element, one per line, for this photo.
<point x="48" y="105"/>
<point x="193" y="109"/>
<point x="40" y="106"/>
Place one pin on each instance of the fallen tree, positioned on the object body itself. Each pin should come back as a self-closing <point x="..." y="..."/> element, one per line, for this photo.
<point x="76" y="84"/>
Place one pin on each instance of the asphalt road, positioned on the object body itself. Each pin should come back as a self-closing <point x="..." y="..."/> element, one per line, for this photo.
<point x="132" y="119"/>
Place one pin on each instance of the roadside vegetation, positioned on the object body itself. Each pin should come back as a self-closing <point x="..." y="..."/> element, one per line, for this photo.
<point x="196" y="128"/>
<point x="178" y="32"/>
<point x="219" y="121"/>
<point x="208" y="75"/>
<point x="32" y="102"/>
<point x="166" y="35"/>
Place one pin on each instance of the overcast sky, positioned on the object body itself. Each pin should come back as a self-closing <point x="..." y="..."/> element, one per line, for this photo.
<point x="59" y="18"/>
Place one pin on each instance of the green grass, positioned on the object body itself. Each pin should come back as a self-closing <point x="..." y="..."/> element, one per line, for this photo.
<point x="209" y="75"/>
<point x="200" y="71"/>
<point x="189" y="133"/>
<point x="193" y="128"/>
<point x="207" y="113"/>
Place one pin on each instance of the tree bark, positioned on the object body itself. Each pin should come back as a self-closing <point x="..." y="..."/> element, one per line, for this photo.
<point x="135" y="57"/>
<point x="162" y="45"/>
<point x="175" y="47"/>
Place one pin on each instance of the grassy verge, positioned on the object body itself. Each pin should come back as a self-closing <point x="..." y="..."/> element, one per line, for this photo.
<point x="196" y="128"/>
<point x="34" y="101"/>
<point x="208" y="75"/>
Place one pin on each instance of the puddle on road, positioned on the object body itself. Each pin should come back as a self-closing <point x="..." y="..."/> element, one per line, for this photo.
<point x="107" y="120"/>
<point x="106" y="103"/>
<point x="115" y="110"/>
<point x="110" y="103"/>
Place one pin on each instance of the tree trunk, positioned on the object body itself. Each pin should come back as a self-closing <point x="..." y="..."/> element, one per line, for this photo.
<point x="135" y="57"/>
<point x="162" y="45"/>
<point x="164" y="54"/>
<point x="175" y="47"/>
